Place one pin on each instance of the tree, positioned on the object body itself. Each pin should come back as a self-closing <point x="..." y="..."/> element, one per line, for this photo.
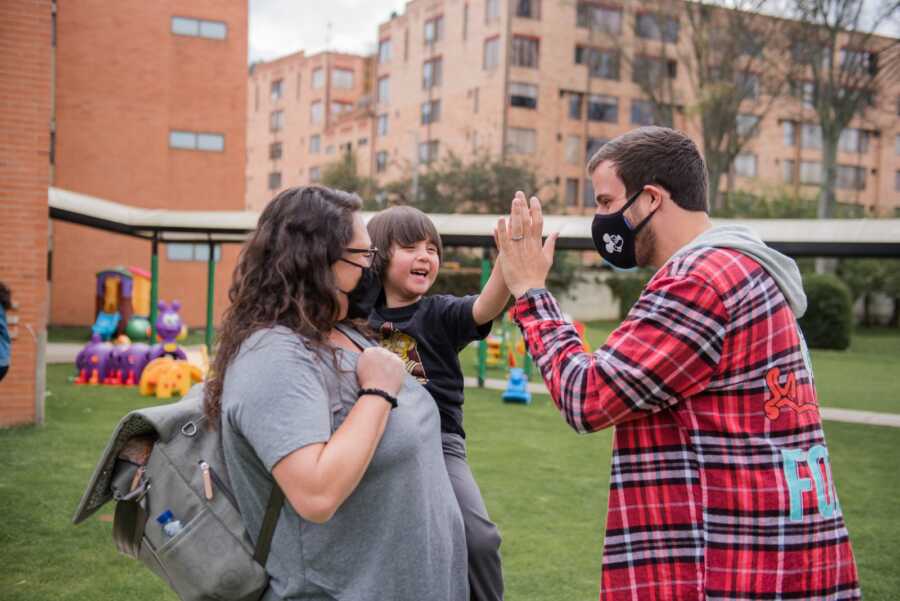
<point x="486" y="184"/>
<point x="846" y="65"/>
<point x="718" y="63"/>
<point x="343" y="175"/>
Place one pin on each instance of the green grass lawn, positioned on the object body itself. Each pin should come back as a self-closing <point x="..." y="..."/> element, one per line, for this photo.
<point x="545" y="486"/>
<point x="862" y="377"/>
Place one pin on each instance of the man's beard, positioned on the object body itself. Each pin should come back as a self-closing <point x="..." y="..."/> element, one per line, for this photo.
<point x="645" y="247"/>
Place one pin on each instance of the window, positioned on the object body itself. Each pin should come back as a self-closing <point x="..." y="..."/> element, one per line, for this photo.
<point x="897" y="145"/>
<point x="810" y="136"/>
<point x="602" y="63"/>
<point x="431" y="73"/>
<point x="528" y="9"/>
<point x="593" y="145"/>
<point x="525" y="51"/>
<point x="201" y="28"/>
<point x="384" y="90"/>
<point x="810" y="172"/>
<point x="789" y="171"/>
<point x="641" y="112"/>
<point x="850" y="177"/>
<point x="520" y="140"/>
<point x="571" y="192"/>
<point x="434" y="29"/>
<point x="790" y="133"/>
<point x="316" y="112"/>
<point x="575" y="101"/>
<point x="275" y="150"/>
<point x="523" y="95"/>
<point x="465" y="23"/>
<point x="897" y="184"/>
<point x="382" y="124"/>
<point x="651" y="26"/>
<point x="342" y="78"/>
<point x="603" y="108"/>
<point x="315" y="144"/>
<point x="491" y="10"/>
<point x="277" y="89"/>
<point x="573" y="147"/>
<point x="315" y="174"/>
<point x="384" y="51"/>
<point x="745" y="165"/>
<point x="318" y="78"/>
<point x="805" y="91"/>
<point x="381" y="159"/>
<point x="276" y="121"/>
<point x="648" y="70"/>
<point x="750" y="44"/>
<point x="362" y="142"/>
<point x="431" y="112"/>
<point x="275" y="180"/>
<point x="329" y="149"/>
<point x="587" y="193"/>
<point x="859" y="60"/>
<point x="189" y="140"/>
<point x="185" y="251"/>
<point x="598" y="18"/>
<point x="747" y="125"/>
<point x="340" y="107"/>
<point x="491" y="53"/>
<point x="748" y="83"/>
<point x="428" y="151"/>
<point x="854" y="140"/>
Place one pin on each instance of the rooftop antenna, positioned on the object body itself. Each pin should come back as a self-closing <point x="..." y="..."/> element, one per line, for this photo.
<point x="328" y="37"/>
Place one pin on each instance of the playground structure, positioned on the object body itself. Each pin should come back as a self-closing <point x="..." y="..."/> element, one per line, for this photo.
<point x="125" y="364"/>
<point x="122" y="304"/>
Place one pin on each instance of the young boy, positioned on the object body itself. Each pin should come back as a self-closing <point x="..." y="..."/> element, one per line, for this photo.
<point x="428" y="333"/>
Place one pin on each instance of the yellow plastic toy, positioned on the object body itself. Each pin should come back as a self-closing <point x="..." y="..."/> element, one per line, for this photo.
<point x="164" y="376"/>
<point x="493" y="351"/>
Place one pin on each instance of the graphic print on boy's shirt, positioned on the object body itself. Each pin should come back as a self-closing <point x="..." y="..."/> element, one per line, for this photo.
<point x="404" y="346"/>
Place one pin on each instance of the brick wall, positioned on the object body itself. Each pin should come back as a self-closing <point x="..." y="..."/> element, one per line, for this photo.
<point x="24" y="171"/>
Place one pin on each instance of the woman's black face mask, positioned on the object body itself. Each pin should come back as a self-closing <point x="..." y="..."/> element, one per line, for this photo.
<point x="361" y="300"/>
<point x="614" y="238"/>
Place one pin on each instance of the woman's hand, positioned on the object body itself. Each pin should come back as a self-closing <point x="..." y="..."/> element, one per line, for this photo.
<point x="380" y="368"/>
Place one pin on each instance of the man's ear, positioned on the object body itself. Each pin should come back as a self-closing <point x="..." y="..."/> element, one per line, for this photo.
<point x="657" y="194"/>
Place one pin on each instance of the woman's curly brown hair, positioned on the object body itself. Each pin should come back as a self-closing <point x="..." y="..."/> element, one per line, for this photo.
<point x="283" y="276"/>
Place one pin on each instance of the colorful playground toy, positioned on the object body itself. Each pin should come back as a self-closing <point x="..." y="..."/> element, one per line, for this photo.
<point x="517" y="387"/>
<point x="164" y="376"/>
<point x="168" y="327"/>
<point x="94" y="362"/>
<point x="123" y="303"/>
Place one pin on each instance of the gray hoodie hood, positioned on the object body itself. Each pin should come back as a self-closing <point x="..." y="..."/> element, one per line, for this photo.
<point x="782" y="268"/>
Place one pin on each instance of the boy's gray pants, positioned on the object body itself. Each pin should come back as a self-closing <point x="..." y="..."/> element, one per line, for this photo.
<point x="482" y="536"/>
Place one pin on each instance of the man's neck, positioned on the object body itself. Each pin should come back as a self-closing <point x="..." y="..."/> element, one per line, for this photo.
<point x="679" y="233"/>
<point x="393" y="299"/>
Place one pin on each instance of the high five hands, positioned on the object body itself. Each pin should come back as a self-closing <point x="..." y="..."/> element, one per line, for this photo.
<point x="524" y="259"/>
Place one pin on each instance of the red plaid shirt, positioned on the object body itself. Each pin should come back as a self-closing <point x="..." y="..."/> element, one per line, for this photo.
<point x="721" y="486"/>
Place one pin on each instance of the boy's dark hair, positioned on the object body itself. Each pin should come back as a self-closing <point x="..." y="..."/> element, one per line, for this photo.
<point x="403" y="225"/>
<point x="657" y="155"/>
<point x="5" y="297"/>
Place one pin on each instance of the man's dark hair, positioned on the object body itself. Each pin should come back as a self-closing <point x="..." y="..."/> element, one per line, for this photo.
<point x="658" y="155"/>
<point x="5" y="297"/>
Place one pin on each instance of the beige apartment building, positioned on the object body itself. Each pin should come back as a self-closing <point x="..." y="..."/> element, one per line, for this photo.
<point x="511" y="77"/>
<point x="302" y="112"/>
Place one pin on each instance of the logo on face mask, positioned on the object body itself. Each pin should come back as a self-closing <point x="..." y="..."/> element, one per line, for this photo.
<point x="614" y="243"/>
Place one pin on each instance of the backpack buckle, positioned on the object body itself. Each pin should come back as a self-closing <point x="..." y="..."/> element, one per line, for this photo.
<point x="189" y="429"/>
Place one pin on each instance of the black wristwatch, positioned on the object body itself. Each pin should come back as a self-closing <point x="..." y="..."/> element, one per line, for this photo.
<point x="378" y="392"/>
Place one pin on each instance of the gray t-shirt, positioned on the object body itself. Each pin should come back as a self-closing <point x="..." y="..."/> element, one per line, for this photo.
<point x="398" y="536"/>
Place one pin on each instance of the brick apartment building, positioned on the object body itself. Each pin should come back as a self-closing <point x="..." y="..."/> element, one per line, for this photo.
<point x="25" y="35"/>
<point x="149" y="111"/>
<point x="303" y="112"/>
<point x="510" y="77"/>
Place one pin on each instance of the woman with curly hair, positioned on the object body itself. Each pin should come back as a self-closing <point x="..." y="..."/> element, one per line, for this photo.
<point x="306" y="401"/>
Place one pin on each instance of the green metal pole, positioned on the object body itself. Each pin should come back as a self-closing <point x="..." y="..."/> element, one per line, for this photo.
<point x="210" y="295"/>
<point x="154" y="284"/>
<point x="528" y="364"/>
<point x="482" y="345"/>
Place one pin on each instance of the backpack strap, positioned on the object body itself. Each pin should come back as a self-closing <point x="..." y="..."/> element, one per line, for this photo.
<point x="128" y="527"/>
<point x="270" y="520"/>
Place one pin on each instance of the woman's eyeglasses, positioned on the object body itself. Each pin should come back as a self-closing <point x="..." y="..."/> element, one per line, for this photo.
<point x="368" y="254"/>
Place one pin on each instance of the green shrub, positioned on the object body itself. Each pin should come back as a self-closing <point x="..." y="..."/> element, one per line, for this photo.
<point x="828" y="316"/>
<point x="627" y="288"/>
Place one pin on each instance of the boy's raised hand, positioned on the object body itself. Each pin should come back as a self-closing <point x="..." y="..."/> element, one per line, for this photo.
<point x="524" y="258"/>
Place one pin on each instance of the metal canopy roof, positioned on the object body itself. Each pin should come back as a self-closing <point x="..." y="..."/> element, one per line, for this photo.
<point x="795" y="237"/>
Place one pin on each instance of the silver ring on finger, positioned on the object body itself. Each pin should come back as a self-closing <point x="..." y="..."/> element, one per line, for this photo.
<point x="517" y="238"/>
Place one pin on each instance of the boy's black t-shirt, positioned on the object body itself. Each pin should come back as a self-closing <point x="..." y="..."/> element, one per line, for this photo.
<point x="428" y="336"/>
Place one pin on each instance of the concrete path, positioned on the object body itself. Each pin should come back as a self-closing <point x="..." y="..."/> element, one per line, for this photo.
<point x="850" y="416"/>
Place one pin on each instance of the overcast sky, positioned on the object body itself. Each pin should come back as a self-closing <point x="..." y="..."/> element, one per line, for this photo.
<point x="279" y="27"/>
